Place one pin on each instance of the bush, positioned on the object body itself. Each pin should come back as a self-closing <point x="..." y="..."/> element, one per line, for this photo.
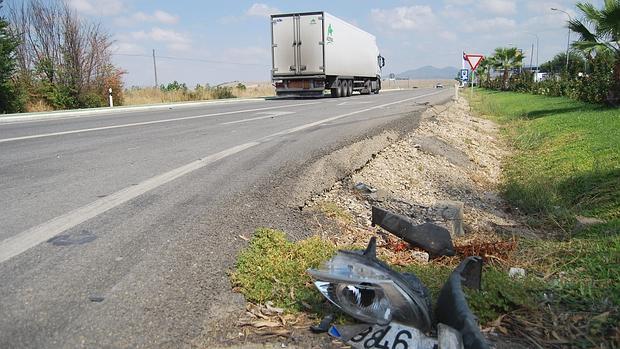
<point x="220" y="92"/>
<point x="591" y="87"/>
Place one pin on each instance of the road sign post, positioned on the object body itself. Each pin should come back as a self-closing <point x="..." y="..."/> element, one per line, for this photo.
<point x="473" y="60"/>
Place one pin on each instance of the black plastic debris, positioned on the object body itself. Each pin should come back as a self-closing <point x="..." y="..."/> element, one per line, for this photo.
<point x="324" y="325"/>
<point x="432" y="238"/>
<point x="452" y="309"/>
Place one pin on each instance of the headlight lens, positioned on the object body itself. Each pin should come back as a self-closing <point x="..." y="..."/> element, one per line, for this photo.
<point x="368" y="290"/>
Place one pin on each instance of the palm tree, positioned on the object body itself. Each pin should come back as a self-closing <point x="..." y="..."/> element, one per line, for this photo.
<point x="604" y="38"/>
<point x="506" y="59"/>
<point x="484" y="70"/>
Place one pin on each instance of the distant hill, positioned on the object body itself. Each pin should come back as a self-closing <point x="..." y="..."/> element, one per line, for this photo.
<point x="429" y="72"/>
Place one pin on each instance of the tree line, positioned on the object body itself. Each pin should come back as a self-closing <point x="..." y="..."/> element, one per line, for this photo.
<point x="51" y="58"/>
<point x="593" y="70"/>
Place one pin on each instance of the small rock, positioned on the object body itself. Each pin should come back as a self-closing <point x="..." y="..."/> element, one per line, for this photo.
<point x="417" y="146"/>
<point x="96" y="298"/>
<point x="516" y="272"/>
<point x="453" y="211"/>
<point x="584" y="222"/>
<point x="420" y="256"/>
<point x="364" y="188"/>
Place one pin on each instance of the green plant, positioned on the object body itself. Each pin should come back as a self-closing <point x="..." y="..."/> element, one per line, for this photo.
<point x="240" y="86"/>
<point x="274" y="269"/>
<point x="599" y="33"/>
<point x="506" y="59"/>
<point x="174" y="86"/>
<point x="11" y="96"/>
<point x="220" y="92"/>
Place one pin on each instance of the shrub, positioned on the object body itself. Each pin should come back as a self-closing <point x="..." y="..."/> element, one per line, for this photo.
<point x="220" y="92"/>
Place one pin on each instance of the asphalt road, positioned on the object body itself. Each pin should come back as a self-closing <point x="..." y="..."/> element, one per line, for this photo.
<point x="117" y="230"/>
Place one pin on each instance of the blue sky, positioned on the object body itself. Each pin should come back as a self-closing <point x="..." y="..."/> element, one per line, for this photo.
<point x="410" y="34"/>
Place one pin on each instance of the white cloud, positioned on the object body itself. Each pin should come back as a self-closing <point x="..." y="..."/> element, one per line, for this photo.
<point x="158" y="16"/>
<point x="405" y="17"/>
<point x="499" y="7"/>
<point x="124" y="47"/>
<point x="493" y="25"/>
<point x="261" y="10"/>
<point x="94" y="7"/>
<point x="175" y="40"/>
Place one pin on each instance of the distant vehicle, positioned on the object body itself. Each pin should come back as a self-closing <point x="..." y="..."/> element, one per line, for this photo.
<point x="315" y="51"/>
<point x="439" y="85"/>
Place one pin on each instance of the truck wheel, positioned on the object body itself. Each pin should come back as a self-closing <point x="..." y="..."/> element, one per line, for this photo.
<point x="342" y="84"/>
<point x="349" y="88"/>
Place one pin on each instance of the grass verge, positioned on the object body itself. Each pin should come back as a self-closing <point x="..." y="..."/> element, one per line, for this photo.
<point x="567" y="157"/>
<point x="566" y="162"/>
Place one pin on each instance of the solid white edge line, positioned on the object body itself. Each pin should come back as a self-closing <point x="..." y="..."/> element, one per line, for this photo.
<point x="30" y="238"/>
<point x="85" y="113"/>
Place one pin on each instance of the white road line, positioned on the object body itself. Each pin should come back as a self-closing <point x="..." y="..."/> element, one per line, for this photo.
<point x="27" y="239"/>
<point x="148" y="122"/>
<point x="268" y="115"/>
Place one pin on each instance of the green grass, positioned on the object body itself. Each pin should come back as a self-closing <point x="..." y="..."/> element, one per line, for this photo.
<point x="567" y="154"/>
<point x="274" y="269"/>
<point x="566" y="163"/>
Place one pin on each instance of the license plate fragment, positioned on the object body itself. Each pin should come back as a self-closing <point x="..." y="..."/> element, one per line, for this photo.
<point x="392" y="336"/>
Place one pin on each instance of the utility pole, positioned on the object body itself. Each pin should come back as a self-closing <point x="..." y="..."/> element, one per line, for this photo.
<point x="568" y="39"/>
<point x="155" y="68"/>
<point x="532" y="57"/>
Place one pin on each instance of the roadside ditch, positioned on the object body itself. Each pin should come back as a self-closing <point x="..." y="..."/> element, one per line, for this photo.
<point x="445" y="172"/>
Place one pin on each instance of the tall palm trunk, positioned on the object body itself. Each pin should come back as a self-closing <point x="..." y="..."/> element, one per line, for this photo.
<point x="505" y="79"/>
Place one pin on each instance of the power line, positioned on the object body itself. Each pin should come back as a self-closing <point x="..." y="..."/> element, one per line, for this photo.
<point x="202" y="60"/>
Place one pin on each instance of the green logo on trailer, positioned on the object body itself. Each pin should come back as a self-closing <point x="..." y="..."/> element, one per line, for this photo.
<point x="330" y="32"/>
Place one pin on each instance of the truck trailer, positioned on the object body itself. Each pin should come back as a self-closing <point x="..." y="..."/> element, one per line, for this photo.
<point x="315" y="51"/>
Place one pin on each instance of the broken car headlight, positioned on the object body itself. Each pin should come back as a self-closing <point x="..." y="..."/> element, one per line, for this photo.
<point x="367" y="289"/>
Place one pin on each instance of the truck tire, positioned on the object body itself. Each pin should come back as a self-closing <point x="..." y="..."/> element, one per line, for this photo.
<point x="342" y="84"/>
<point x="349" y="88"/>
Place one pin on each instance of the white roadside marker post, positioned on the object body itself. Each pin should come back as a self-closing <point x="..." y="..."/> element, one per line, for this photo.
<point x="110" y="97"/>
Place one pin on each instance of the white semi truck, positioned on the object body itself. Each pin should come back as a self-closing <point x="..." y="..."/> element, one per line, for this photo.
<point x="315" y="51"/>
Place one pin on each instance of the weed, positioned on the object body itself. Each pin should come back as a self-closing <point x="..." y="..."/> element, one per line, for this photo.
<point x="334" y="211"/>
<point x="274" y="269"/>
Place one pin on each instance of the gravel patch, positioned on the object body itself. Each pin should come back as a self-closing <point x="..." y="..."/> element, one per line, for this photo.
<point x="453" y="159"/>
